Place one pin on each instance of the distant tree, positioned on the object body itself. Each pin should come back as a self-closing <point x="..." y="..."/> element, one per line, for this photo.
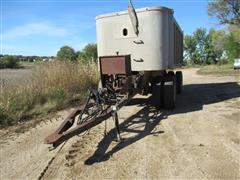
<point x="210" y="55"/>
<point x="190" y="46"/>
<point x="81" y="56"/>
<point x="235" y="30"/>
<point x="232" y="43"/>
<point x="199" y="48"/>
<point x="226" y="11"/>
<point x="8" y="62"/>
<point x="2" y="63"/>
<point x="66" y="53"/>
<point x="201" y="37"/>
<point x="218" y="38"/>
<point x="89" y="53"/>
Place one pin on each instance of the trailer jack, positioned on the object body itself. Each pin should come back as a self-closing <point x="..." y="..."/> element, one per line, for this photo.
<point x="115" y="118"/>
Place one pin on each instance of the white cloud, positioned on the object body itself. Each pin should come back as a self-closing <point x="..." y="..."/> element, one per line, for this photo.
<point x="34" y="29"/>
<point x="28" y="50"/>
<point x="15" y="40"/>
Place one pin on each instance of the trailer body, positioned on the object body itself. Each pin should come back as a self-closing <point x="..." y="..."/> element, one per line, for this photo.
<point x="158" y="46"/>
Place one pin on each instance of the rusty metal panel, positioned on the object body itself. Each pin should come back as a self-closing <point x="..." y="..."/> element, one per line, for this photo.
<point x="115" y="65"/>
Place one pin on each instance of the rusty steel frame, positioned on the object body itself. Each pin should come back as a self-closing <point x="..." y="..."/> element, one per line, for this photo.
<point x="64" y="132"/>
<point x="106" y="107"/>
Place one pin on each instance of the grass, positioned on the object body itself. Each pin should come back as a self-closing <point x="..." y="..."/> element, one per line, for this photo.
<point x="26" y="63"/>
<point x="53" y="86"/>
<point x="223" y="69"/>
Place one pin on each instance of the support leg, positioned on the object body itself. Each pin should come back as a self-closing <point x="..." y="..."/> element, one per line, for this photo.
<point x="115" y="118"/>
<point x="105" y="130"/>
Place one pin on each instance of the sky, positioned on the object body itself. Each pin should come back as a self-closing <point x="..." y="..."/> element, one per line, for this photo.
<point x="41" y="27"/>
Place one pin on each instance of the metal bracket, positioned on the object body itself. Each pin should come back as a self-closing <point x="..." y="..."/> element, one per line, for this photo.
<point x="115" y="118"/>
<point x="138" y="60"/>
<point x="138" y="42"/>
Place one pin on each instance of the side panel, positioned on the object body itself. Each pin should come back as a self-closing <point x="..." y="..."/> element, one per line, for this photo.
<point x="178" y="44"/>
<point x="152" y="50"/>
<point x="171" y="42"/>
<point x="149" y="50"/>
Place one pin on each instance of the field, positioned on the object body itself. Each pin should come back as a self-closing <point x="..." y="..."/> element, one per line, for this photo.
<point x="12" y="76"/>
<point x="198" y="140"/>
<point x="40" y="89"/>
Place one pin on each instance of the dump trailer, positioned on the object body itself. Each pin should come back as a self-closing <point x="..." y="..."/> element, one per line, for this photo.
<point x="137" y="52"/>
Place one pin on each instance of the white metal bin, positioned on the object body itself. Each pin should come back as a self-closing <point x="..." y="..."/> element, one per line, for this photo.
<point x="158" y="45"/>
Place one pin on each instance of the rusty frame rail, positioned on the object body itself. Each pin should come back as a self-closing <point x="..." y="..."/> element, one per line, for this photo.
<point x="62" y="133"/>
<point x="65" y="132"/>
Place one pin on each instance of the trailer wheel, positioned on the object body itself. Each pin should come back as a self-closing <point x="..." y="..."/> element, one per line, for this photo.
<point x="170" y="73"/>
<point x="169" y="92"/>
<point x="157" y="92"/>
<point x="179" y="82"/>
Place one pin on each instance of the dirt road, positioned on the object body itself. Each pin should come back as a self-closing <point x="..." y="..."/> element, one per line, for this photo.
<point x="200" y="139"/>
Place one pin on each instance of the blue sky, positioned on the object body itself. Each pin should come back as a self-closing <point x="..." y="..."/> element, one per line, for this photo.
<point x="41" y="27"/>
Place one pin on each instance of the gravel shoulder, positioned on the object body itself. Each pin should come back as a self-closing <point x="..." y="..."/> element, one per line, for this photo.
<point x="200" y="139"/>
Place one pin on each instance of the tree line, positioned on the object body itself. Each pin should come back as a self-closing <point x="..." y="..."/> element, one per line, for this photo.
<point x="202" y="47"/>
<point x="13" y="61"/>
<point x="88" y="54"/>
<point x="214" y="46"/>
<point x="7" y="61"/>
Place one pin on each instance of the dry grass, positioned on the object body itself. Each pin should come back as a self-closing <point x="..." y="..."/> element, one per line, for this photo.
<point x="52" y="86"/>
<point x="223" y="69"/>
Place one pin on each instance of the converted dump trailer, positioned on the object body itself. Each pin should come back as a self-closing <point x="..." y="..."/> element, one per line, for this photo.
<point x="136" y="51"/>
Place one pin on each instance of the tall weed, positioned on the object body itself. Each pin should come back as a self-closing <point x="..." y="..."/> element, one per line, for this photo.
<point x="51" y="87"/>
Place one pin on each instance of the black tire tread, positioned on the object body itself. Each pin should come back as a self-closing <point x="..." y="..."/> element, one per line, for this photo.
<point x="179" y="81"/>
<point x="169" y="92"/>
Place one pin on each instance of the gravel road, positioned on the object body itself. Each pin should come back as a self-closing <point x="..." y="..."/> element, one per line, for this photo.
<point x="200" y="139"/>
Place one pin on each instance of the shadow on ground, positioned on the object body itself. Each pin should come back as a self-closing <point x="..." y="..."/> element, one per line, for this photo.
<point x="193" y="98"/>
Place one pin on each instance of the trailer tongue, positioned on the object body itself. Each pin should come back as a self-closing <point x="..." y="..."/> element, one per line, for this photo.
<point x="99" y="107"/>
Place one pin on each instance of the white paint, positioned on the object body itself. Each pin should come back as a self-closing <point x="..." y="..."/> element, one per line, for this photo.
<point x="155" y="31"/>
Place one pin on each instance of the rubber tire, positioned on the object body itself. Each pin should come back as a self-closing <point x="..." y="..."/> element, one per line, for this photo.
<point x="179" y="81"/>
<point x="169" y="92"/>
<point x="170" y="73"/>
<point x="157" y="95"/>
